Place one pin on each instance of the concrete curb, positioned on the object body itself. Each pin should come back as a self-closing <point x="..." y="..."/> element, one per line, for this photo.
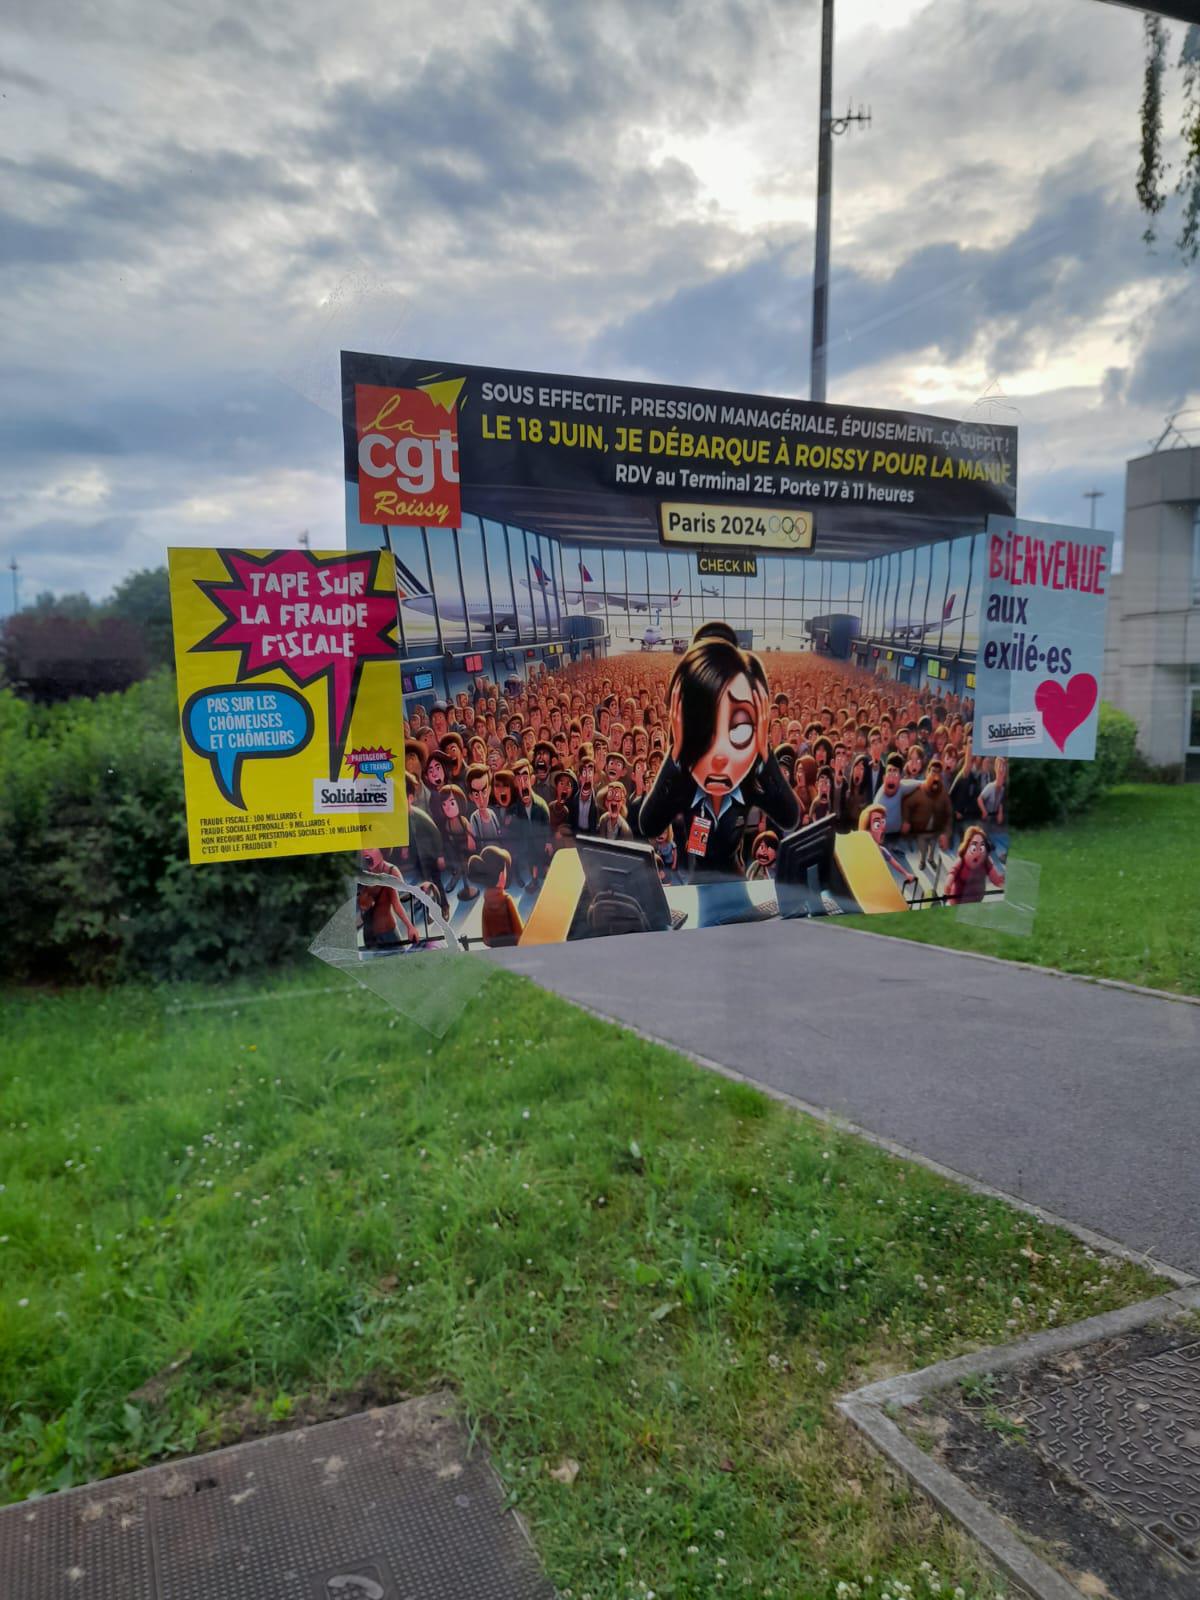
<point x="1022" y="966"/>
<point x="864" y="1408"/>
<point x="1006" y="1549"/>
<point x="1088" y="1236"/>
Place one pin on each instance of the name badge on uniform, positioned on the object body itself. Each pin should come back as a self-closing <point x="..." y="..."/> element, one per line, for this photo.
<point x="697" y="841"/>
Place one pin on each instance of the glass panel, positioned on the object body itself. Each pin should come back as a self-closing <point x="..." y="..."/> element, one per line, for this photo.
<point x="904" y="586"/>
<point x="920" y="592"/>
<point x="503" y="597"/>
<point x="939" y="593"/>
<point x="960" y="565"/>
<point x="445" y="586"/>
<point x="470" y="549"/>
<point x="413" y="587"/>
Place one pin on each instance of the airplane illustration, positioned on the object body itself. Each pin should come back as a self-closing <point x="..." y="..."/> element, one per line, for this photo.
<point x="893" y="628"/>
<point x="653" y="635"/>
<point x="600" y="595"/>
<point x="414" y="596"/>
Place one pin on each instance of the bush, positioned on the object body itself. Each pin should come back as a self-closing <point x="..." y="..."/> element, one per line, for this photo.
<point x="93" y="853"/>
<point x="50" y="656"/>
<point x="1143" y="771"/>
<point x="1051" y="791"/>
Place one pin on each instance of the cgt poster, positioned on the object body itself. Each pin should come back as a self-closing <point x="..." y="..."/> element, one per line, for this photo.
<point x="1045" y="600"/>
<point x="290" y="704"/>
<point x="672" y="657"/>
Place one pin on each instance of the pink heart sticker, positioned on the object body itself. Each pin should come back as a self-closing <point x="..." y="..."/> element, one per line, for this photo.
<point x="1065" y="706"/>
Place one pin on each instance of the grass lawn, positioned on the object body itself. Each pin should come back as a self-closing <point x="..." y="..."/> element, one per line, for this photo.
<point x="614" y="1257"/>
<point x="1120" y="894"/>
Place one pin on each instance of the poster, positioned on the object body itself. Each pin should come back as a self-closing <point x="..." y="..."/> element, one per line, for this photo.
<point x="1045" y="599"/>
<point x="290" y="703"/>
<point x="674" y="658"/>
<point x="417" y="432"/>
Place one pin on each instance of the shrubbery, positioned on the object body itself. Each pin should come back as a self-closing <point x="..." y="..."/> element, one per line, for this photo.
<point x="1143" y="771"/>
<point x="1051" y="791"/>
<point x="93" y="845"/>
<point x="93" y="853"/>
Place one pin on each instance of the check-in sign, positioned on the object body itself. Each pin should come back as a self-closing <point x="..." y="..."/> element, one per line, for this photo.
<point x="733" y="565"/>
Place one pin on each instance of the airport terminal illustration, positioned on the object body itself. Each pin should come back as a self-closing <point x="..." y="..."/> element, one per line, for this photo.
<point x="661" y="711"/>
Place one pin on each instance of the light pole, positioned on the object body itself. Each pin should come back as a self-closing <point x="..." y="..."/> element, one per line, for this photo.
<point x="820" y="306"/>
<point x="829" y="126"/>
<point x="1093" y="495"/>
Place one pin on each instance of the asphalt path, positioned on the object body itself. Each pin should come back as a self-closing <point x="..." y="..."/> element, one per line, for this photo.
<point x="1076" y="1097"/>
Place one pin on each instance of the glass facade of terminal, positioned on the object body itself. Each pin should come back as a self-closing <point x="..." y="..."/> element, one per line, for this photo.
<point x="492" y="598"/>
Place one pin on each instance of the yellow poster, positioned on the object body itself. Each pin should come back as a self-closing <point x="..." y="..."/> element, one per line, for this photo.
<point x="291" y="714"/>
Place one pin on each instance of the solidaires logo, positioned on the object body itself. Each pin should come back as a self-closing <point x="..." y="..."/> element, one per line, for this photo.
<point x="331" y="795"/>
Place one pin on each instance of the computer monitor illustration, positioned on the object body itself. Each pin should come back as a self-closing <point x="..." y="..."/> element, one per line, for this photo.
<point x="625" y="893"/>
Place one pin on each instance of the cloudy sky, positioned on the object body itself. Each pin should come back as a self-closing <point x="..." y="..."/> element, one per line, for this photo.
<point x="201" y="205"/>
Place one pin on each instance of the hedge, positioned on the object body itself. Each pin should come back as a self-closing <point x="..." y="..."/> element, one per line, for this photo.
<point x="93" y="846"/>
<point x="93" y="854"/>
<point x="1052" y="791"/>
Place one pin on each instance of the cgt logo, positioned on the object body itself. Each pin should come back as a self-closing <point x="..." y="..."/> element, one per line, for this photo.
<point x="408" y="454"/>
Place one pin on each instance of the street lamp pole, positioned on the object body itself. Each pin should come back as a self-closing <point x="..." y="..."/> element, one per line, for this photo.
<point x="829" y="126"/>
<point x="820" y="307"/>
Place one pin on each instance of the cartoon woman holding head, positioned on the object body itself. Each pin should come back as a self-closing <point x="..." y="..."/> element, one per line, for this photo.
<point x="720" y="765"/>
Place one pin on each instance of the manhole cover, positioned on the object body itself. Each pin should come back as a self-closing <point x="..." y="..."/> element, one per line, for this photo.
<point x="1131" y="1437"/>
<point x="387" y="1505"/>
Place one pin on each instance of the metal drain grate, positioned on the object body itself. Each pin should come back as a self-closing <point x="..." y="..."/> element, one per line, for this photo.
<point x="1131" y="1437"/>
<point x="387" y="1505"/>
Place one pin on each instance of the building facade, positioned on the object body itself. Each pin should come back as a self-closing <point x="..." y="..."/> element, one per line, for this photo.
<point x="1152" y="654"/>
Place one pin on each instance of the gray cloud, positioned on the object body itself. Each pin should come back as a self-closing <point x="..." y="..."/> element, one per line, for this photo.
<point x="91" y="555"/>
<point x="1166" y="369"/>
<point x="234" y="422"/>
<point x="87" y="214"/>
<point x="15" y="78"/>
<point x="527" y="183"/>
<point x="748" y="328"/>
<point x="1038" y="291"/>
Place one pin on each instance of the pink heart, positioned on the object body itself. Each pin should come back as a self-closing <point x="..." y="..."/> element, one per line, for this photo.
<point x="1065" y="706"/>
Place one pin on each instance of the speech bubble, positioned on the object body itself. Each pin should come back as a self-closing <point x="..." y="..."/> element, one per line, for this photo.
<point x="374" y="760"/>
<point x="308" y="616"/>
<point x="230" y="723"/>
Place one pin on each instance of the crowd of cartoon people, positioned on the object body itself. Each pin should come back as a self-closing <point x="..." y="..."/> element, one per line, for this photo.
<point x="697" y="755"/>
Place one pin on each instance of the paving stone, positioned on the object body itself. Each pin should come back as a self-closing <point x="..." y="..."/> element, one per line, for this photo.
<point x="386" y="1505"/>
<point x="1131" y="1437"/>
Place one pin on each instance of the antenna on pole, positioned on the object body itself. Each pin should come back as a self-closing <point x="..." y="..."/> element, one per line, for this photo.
<point x="305" y="541"/>
<point x="1093" y="495"/>
<point x="14" y="569"/>
<point x="829" y="126"/>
